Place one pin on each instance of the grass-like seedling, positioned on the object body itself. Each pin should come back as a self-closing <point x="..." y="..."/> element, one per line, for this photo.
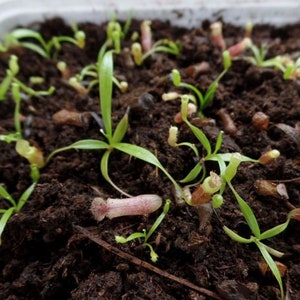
<point x="141" y="51"/>
<point x="252" y="222"/>
<point x="202" y="100"/>
<point x="16" y="206"/>
<point x="24" y="37"/>
<point x="11" y="78"/>
<point x="145" y="235"/>
<point x="113" y="137"/>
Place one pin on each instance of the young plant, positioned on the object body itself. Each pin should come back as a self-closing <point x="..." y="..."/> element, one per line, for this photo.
<point x="259" y="58"/>
<point x="16" y="206"/>
<point x="11" y="78"/>
<point x="23" y="36"/>
<point x="141" y="51"/>
<point x="198" y="174"/>
<point x="145" y="235"/>
<point x="113" y="137"/>
<point x="252" y="222"/>
<point x="203" y="100"/>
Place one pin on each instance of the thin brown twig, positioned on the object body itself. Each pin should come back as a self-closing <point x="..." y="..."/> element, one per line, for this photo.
<point x="93" y="237"/>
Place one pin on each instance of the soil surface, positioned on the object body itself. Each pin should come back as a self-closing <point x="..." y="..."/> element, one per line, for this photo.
<point x="45" y="255"/>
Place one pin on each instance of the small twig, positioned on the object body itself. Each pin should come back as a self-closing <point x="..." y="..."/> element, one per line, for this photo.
<point x="93" y="237"/>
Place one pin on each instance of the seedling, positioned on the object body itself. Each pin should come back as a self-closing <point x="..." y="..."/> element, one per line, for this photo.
<point x="113" y="137"/>
<point x="141" y="51"/>
<point x="22" y="36"/>
<point x="146" y="235"/>
<point x="16" y="206"/>
<point x="11" y="78"/>
<point x="203" y="100"/>
<point x="251" y="220"/>
<point x="259" y="58"/>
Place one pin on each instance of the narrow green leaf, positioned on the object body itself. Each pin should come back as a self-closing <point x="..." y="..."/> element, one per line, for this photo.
<point x="104" y="172"/>
<point x="236" y="237"/>
<point x="5" y="84"/>
<point x="247" y="213"/>
<point x="105" y="72"/>
<point x="272" y="265"/>
<point x="36" y="48"/>
<point x="192" y="175"/>
<point x="121" y="129"/>
<point x="24" y="197"/>
<point x="4" y="194"/>
<point x="219" y="142"/>
<point x="3" y="221"/>
<point x="147" y="156"/>
<point x="133" y="236"/>
<point x="274" y="231"/>
<point x="158" y="220"/>
<point x="82" y="145"/>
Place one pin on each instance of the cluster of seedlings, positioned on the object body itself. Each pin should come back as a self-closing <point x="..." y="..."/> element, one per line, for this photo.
<point x="200" y="187"/>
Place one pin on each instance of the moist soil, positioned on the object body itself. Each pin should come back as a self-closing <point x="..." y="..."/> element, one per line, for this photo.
<point x="54" y="249"/>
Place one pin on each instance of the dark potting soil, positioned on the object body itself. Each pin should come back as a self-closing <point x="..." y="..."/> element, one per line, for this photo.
<point x="45" y="255"/>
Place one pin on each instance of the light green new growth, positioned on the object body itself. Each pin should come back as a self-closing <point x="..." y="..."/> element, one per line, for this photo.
<point x="251" y="220"/>
<point x="16" y="206"/>
<point x="11" y="78"/>
<point x="145" y="235"/>
<point x="203" y="100"/>
<point x="113" y="137"/>
<point x="20" y="36"/>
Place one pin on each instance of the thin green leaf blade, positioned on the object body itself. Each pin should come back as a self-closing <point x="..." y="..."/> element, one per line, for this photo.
<point x="104" y="172"/>
<point x="3" y="221"/>
<point x="25" y="196"/>
<point x="105" y="71"/>
<point x="4" y="194"/>
<point x="275" y="230"/>
<point x="88" y="144"/>
<point x="120" y="130"/>
<point x="272" y="265"/>
<point x="192" y="175"/>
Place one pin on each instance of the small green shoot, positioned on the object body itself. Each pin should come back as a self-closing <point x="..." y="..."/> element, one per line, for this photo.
<point x="23" y="37"/>
<point x="16" y="206"/>
<point x="141" y="51"/>
<point x="252" y="222"/>
<point x="10" y="79"/>
<point x="203" y="100"/>
<point x="113" y="137"/>
<point x="145" y="235"/>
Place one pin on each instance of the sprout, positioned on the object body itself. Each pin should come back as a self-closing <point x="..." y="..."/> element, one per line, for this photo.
<point x="31" y="153"/>
<point x="113" y="208"/>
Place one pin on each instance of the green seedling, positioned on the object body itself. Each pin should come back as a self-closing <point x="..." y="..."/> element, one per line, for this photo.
<point x="113" y="137"/>
<point x="162" y="46"/>
<point x="141" y="51"/>
<point x="16" y="206"/>
<point x="291" y="68"/>
<point x="90" y="74"/>
<point x="114" y="36"/>
<point x="11" y="78"/>
<point x="145" y="235"/>
<point x="24" y="37"/>
<point x="198" y="173"/>
<point x="252" y="222"/>
<point x="203" y="100"/>
<point x="259" y="58"/>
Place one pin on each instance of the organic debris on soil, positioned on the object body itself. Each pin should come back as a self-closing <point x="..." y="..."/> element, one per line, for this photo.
<point x="45" y="255"/>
